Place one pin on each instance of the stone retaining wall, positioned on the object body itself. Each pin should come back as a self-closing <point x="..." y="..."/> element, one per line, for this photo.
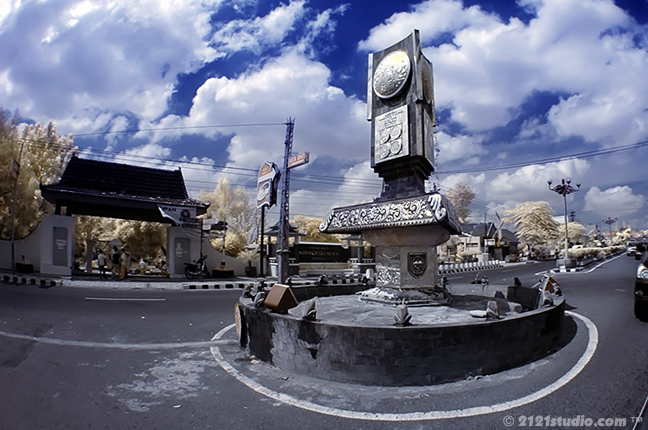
<point x="401" y="356"/>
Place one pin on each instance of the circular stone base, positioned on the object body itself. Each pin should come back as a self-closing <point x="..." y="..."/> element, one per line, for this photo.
<point x="354" y="341"/>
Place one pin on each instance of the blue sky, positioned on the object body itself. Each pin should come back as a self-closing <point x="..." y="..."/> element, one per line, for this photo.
<point x="521" y="87"/>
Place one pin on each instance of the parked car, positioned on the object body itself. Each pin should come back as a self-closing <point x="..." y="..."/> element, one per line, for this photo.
<point x="641" y="291"/>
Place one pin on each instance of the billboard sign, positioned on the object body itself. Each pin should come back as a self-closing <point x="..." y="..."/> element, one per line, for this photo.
<point x="267" y="185"/>
<point x="300" y="159"/>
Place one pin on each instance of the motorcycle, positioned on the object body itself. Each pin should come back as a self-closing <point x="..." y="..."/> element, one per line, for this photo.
<point x="197" y="269"/>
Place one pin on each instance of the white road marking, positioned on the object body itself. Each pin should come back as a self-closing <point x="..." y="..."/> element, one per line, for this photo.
<point x="416" y="416"/>
<point x="123" y="299"/>
<point x="583" y="271"/>
<point x="602" y="263"/>
<point x="129" y="346"/>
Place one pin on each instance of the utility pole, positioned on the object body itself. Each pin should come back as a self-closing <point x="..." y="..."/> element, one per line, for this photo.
<point x="609" y="221"/>
<point x="14" y="174"/>
<point x="290" y="161"/>
<point x="261" y="250"/>
<point x="283" y="253"/>
<point x="564" y="189"/>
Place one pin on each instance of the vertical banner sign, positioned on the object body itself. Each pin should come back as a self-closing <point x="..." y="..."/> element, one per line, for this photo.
<point x="267" y="185"/>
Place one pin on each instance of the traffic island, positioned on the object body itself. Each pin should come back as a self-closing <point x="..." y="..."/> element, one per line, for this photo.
<point x="354" y="341"/>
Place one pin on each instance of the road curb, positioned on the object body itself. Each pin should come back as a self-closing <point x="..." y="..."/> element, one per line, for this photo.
<point x="218" y="286"/>
<point x="31" y="280"/>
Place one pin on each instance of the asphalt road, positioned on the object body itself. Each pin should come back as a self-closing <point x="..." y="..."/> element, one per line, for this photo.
<point x="80" y="358"/>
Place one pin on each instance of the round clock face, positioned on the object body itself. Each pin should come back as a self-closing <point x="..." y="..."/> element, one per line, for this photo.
<point x="391" y="74"/>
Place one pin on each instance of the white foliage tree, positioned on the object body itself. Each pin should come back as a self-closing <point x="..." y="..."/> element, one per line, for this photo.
<point x="233" y="206"/>
<point x="461" y="196"/>
<point x="42" y="160"/>
<point x="534" y="223"/>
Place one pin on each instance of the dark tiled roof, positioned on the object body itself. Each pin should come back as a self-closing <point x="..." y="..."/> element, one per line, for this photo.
<point x="292" y="230"/>
<point x="100" y="178"/>
<point x="488" y="230"/>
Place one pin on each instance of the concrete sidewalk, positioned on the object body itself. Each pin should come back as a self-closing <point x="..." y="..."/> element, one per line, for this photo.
<point x="130" y="283"/>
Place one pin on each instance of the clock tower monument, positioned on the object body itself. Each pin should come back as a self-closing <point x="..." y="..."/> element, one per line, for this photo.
<point x="400" y="106"/>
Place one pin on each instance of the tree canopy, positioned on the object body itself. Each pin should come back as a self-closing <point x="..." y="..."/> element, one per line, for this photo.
<point x="461" y="196"/>
<point x="233" y="206"/>
<point x="534" y="223"/>
<point x="310" y="226"/>
<point x="42" y="155"/>
<point x="577" y="232"/>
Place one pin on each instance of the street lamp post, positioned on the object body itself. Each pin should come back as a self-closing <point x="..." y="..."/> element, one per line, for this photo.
<point x="564" y="189"/>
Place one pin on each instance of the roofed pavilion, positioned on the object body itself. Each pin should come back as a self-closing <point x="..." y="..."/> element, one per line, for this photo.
<point x="112" y="190"/>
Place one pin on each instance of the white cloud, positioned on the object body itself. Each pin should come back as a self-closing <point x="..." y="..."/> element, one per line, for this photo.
<point x="326" y="121"/>
<point x="268" y="30"/>
<point x="149" y="151"/>
<point x="572" y="46"/>
<point x="457" y="147"/>
<point x="360" y="184"/>
<point x="476" y="182"/>
<point x="613" y="201"/>
<point x="432" y="18"/>
<point x="529" y="183"/>
<point x="71" y="59"/>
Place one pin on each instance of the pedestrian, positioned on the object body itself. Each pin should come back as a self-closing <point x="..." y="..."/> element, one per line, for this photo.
<point x="114" y="260"/>
<point x="123" y="260"/>
<point x="142" y="267"/>
<point x="101" y="261"/>
<point x="164" y="269"/>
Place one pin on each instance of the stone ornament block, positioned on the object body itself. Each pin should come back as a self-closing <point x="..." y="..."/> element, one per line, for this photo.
<point x="280" y="298"/>
<point x="428" y="209"/>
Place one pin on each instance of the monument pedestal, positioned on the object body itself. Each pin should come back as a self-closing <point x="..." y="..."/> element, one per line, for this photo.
<point x="405" y="233"/>
<point x="406" y="258"/>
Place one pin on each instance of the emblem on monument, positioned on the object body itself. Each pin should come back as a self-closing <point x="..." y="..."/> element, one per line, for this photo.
<point x="417" y="263"/>
<point x="391" y="74"/>
<point x="392" y="133"/>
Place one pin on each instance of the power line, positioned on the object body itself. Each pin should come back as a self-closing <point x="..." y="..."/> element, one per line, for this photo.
<point x="193" y="127"/>
<point x="585" y="154"/>
<point x="319" y="179"/>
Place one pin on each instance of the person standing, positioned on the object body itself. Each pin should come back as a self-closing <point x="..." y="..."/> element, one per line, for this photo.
<point x="114" y="260"/>
<point x="101" y="261"/>
<point x="123" y="260"/>
<point x="164" y="269"/>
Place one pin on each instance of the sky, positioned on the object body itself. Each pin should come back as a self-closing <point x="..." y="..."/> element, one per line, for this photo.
<point x="525" y="92"/>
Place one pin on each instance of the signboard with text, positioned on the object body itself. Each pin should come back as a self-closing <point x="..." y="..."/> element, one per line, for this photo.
<point x="181" y="215"/>
<point x="296" y="160"/>
<point x="267" y="185"/>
